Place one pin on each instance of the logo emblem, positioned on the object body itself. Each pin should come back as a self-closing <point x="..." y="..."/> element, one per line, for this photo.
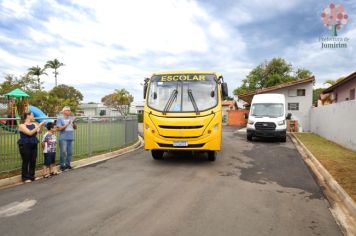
<point x="334" y="17"/>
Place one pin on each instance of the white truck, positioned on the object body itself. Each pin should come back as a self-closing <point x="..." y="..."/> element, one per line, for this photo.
<point x="267" y="117"/>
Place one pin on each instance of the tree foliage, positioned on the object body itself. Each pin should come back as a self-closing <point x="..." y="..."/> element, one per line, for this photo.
<point x="316" y="93"/>
<point x="37" y="71"/>
<point x="50" y="102"/>
<point x="120" y="99"/>
<point x="271" y="73"/>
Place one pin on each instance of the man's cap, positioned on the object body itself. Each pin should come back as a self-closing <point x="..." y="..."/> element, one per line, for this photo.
<point x="66" y="108"/>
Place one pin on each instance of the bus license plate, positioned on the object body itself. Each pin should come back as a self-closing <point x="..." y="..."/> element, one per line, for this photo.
<point x="180" y="143"/>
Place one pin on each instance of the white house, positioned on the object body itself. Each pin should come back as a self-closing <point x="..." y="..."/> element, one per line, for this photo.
<point x="299" y="99"/>
<point x="97" y="109"/>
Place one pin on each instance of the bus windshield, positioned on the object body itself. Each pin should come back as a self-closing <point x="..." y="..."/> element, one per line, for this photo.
<point x="267" y="110"/>
<point x="183" y="92"/>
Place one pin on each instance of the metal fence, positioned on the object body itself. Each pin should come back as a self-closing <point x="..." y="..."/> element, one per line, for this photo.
<point x="94" y="135"/>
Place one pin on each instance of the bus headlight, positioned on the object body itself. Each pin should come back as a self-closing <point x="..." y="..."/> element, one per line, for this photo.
<point x="282" y="122"/>
<point x="250" y="122"/>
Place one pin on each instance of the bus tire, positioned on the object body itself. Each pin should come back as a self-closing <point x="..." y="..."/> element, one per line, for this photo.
<point x="211" y="155"/>
<point x="283" y="139"/>
<point x="249" y="137"/>
<point x="157" y="154"/>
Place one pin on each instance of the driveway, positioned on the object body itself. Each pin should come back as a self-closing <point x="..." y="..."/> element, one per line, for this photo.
<point x="254" y="188"/>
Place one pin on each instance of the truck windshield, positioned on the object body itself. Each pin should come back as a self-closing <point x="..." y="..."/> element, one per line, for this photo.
<point x="267" y="109"/>
<point x="182" y="92"/>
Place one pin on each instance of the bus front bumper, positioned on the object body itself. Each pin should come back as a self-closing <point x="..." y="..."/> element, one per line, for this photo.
<point x="211" y="142"/>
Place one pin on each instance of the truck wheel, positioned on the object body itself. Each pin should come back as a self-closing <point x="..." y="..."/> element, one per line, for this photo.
<point x="157" y="154"/>
<point x="249" y="137"/>
<point x="211" y="155"/>
<point x="283" y="139"/>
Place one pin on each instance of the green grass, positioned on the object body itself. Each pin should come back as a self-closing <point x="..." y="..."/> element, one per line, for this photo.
<point x="89" y="140"/>
<point x="339" y="161"/>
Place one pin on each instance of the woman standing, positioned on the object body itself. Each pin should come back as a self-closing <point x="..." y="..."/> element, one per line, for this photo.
<point x="28" y="146"/>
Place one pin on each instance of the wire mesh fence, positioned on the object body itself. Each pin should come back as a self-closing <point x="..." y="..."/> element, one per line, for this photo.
<point x="94" y="135"/>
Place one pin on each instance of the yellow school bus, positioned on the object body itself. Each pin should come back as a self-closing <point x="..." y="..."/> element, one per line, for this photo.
<point x="182" y="112"/>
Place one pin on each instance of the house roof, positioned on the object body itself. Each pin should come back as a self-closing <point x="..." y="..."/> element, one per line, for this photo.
<point x="338" y="84"/>
<point x="247" y="97"/>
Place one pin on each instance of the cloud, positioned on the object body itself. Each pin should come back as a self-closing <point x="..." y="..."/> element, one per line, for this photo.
<point x="116" y="44"/>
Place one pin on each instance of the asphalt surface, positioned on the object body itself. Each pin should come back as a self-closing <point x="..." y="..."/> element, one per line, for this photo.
<point x="254" y="188"/>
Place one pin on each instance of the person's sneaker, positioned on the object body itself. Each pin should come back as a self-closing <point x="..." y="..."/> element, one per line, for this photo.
<point x="69" y="167"/>
<point x="63" y="168"/>
<point x="27" y="181"/>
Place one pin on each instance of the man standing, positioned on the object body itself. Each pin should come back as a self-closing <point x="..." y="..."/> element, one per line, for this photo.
<point x="66" y="125"/>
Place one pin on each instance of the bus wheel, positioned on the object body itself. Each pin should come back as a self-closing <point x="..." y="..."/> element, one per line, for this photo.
<point x="211" y="155"/>
<point x="249" y="137"/>
<point x="157" y="154"/>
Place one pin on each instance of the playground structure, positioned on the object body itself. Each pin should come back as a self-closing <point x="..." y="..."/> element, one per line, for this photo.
<point x="16" y="103"/>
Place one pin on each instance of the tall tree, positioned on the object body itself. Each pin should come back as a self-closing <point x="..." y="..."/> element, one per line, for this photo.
<point x="121" y="100"/>
<point x="55" y="65"/>
<point x="37" y="71"/>
<point x="271" y="73"/>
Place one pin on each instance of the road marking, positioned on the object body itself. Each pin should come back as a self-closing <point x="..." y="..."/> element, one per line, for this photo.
<point x="16" y="208"/>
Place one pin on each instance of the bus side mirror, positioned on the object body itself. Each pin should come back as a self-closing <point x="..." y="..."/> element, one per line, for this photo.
<point x="144" y="91"/>
<point x="224" y="89"/>
<point x="289" y="116"/>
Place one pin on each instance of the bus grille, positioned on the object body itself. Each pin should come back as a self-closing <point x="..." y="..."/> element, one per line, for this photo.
<point x="189" y="145"/>
<point x="180" y="127"/>
<point x="265" y="126"/>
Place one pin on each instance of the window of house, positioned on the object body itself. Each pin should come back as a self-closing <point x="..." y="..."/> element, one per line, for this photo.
<point x="293" y="106"/>
<point x="300" y="92"/>
<point x="292" y="92"/>
<point x="335" y="97"/>
<point x="352" y="94"/>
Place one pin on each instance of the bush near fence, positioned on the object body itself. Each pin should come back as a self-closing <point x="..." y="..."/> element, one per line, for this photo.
<point x="94" y="135"/>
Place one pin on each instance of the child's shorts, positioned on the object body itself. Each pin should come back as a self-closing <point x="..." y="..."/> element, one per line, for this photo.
<point x="49" y="158"/>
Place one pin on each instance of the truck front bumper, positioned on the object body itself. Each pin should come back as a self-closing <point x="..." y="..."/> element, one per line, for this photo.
<point x="267" y="133"/>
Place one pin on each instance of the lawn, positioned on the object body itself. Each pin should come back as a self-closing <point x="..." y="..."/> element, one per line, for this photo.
<point x="89" y="140"/>
<point x="339" y="161"/>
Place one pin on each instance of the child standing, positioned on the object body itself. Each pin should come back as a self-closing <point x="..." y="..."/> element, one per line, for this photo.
<point x="49" y="143"/>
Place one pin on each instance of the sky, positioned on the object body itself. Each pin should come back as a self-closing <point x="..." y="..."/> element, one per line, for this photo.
<point x="113" y="44"/>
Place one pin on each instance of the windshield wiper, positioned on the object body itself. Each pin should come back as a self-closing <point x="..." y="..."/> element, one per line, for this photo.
<point x="191" y="97"/>
<point x="170" y="101"/>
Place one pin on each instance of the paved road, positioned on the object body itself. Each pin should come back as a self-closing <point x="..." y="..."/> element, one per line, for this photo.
<point x="259" y="188"/>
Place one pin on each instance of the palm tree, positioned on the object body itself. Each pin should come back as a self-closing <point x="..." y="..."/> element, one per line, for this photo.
<point x="37" y="71"/>
<point x="55" y="64"/>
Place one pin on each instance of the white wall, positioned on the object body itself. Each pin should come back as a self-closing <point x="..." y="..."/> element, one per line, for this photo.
<point x="336" y="122"/>
<point x="305" y="103"/>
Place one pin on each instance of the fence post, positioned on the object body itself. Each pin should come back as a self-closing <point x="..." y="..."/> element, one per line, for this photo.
<point x="89" y="136"/>
<point x="110" y="135"/>
<point x="126" y="130"/>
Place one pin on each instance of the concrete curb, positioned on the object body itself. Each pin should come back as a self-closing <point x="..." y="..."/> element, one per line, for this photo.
<point x="342" y="205"/>
<point x="16" y="180"/>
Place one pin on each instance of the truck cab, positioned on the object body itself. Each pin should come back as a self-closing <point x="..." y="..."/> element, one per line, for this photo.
<point x="267" y="117"/>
